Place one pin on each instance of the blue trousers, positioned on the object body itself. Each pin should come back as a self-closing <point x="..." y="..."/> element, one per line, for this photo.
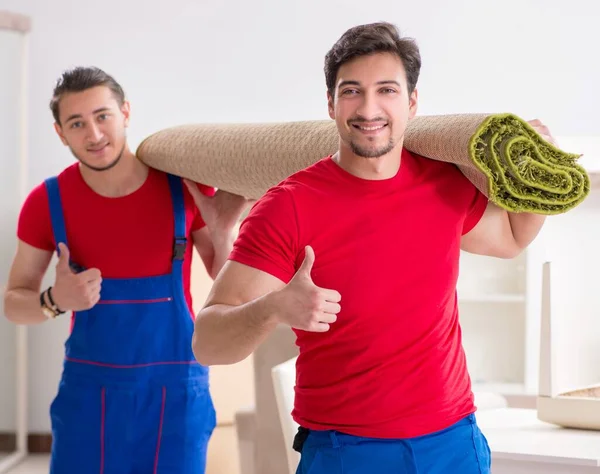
<point x="459" y="449"/>
<point x="128" y="429"/>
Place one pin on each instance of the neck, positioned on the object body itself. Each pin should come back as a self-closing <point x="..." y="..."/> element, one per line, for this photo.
<point x="127" y="176"/>
<point x="383" y="167"/>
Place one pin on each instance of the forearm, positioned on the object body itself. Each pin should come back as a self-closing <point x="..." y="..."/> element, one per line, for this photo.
<point x="222" y="246"/>
<point x="22" y="306"/>
<point x="226" y="334"/>
<point x="525" y="227"/>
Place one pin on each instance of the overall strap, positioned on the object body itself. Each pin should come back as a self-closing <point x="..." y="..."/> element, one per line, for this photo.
<point x="180" y="242"/>
<point x="57" y="218"/>
<point x="56" y="211"/>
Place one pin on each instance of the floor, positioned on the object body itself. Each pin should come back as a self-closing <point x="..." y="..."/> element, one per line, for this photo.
<point x="222" y="456"/>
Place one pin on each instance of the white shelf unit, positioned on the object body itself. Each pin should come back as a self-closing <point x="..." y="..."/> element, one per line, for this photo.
<point x="499" y="310"/>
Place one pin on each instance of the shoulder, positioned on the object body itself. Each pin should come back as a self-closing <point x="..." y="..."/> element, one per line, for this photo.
<point x="34" y="223"/>
<point x="302" y="183"/>
<point x="442" y="173"/>
<point x="36" y="201"/>
<point x="432" y="167"/>
<point x="293" y="188"/>
<point x="69" y="177"/>
<point x="277" y="202"/>
<point x="160" y="178"/>
<point x="38" y="196"/>
<point x="308" y="175"/>
<point x="450" y="187"/>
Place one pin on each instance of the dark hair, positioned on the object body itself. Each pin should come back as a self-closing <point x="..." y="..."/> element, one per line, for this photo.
<point x="80" y="79"/>
<point x="369" y="39"/>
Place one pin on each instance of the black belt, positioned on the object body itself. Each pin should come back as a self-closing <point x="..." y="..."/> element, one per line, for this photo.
<point x="300" y="438"/>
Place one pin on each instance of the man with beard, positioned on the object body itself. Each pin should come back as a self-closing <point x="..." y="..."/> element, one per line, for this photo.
<point x="132" y="398"/>
<point x="359" y="255"/>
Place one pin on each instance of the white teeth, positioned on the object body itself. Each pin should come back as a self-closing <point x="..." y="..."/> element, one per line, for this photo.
<point x="372" y="128"/>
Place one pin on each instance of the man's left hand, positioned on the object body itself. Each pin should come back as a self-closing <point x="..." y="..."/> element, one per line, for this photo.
<point x="540" y="128"/>
<point x="220" y="212"/>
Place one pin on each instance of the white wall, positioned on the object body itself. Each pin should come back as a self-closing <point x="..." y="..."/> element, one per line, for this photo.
<point x="11" y="46"/>
<point x="201" y="61"/>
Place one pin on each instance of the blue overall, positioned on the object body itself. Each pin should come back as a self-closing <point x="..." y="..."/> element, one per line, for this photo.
<point x="459" y="449"/>
<point x="132" y="399"/>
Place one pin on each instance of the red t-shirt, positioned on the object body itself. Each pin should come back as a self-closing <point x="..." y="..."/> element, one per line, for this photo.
<point x="124" y="237"/>
<point x="392" y="365"/>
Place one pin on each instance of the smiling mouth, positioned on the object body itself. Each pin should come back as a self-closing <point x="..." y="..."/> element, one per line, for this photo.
<point x="369" y="128"/>
<point x="97" y="149"/>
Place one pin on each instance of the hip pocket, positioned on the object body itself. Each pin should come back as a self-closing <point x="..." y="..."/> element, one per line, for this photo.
<point x="77" y="416"/>
<point x="320" y="460"/>
<point x="189" y="415"/>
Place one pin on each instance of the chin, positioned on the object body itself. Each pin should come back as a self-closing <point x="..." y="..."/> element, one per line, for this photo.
<point x="371" y="152"/>
<point x="100" y="165"/>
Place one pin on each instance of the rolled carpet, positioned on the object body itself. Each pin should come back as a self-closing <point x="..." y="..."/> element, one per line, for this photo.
<point x="501" y="154"/>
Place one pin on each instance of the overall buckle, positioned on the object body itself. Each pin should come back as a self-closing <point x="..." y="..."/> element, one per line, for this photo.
<point x="179" y="247"/>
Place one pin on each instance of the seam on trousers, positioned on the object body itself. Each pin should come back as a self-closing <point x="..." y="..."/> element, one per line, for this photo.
<point x="335" y="442"/>
<point x="414" y="456"/>
<point x="475" y="448"/>
<point x="102" y="427"/>
<point x="160" y="427"/>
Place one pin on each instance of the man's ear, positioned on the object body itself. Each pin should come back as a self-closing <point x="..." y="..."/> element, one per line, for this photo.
<point x="413" y="102"/>
<point x="330" y="105"/>
<point x="126" y="111"/>
<point x="59" y="132"/>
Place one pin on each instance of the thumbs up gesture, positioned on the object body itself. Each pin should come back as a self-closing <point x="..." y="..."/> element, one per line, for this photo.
<point x="75" y="291"/>
<point x="306" y="306"/>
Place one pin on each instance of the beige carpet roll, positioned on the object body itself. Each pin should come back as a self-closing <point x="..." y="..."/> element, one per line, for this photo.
<point x="499" y="153"/>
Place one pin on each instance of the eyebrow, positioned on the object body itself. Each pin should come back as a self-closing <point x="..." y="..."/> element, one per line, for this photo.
<point x="356" y="83"/>
<point x="78" y="116"/>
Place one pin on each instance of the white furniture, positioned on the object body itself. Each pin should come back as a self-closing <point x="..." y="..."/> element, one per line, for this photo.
<point x="576" y="408"/>
<point x="261" y="439"/>
<point x="284" y="380"/>
<point x="14" y="30"/>
<point x="522" y="444"/>
<point x="499" y="311"/>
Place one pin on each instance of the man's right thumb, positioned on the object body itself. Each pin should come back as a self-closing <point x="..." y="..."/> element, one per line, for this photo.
<point x="309" y="260"/>
<point x="63" y="255"/>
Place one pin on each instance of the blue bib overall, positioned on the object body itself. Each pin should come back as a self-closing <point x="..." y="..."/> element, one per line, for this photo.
<point x="132" y="399"/>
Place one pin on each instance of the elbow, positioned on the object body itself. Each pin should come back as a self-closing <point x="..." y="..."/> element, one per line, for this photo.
<point x="6" y="308"/>
<point x="510" y="252"/>
<point x="507" y="249"/>
<point x="204" y="346"/>
<point x="515" y="249"/>
<point x="208" y="357"/>
<point x="200" y="343"/>
<point x="201" y="355"/>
